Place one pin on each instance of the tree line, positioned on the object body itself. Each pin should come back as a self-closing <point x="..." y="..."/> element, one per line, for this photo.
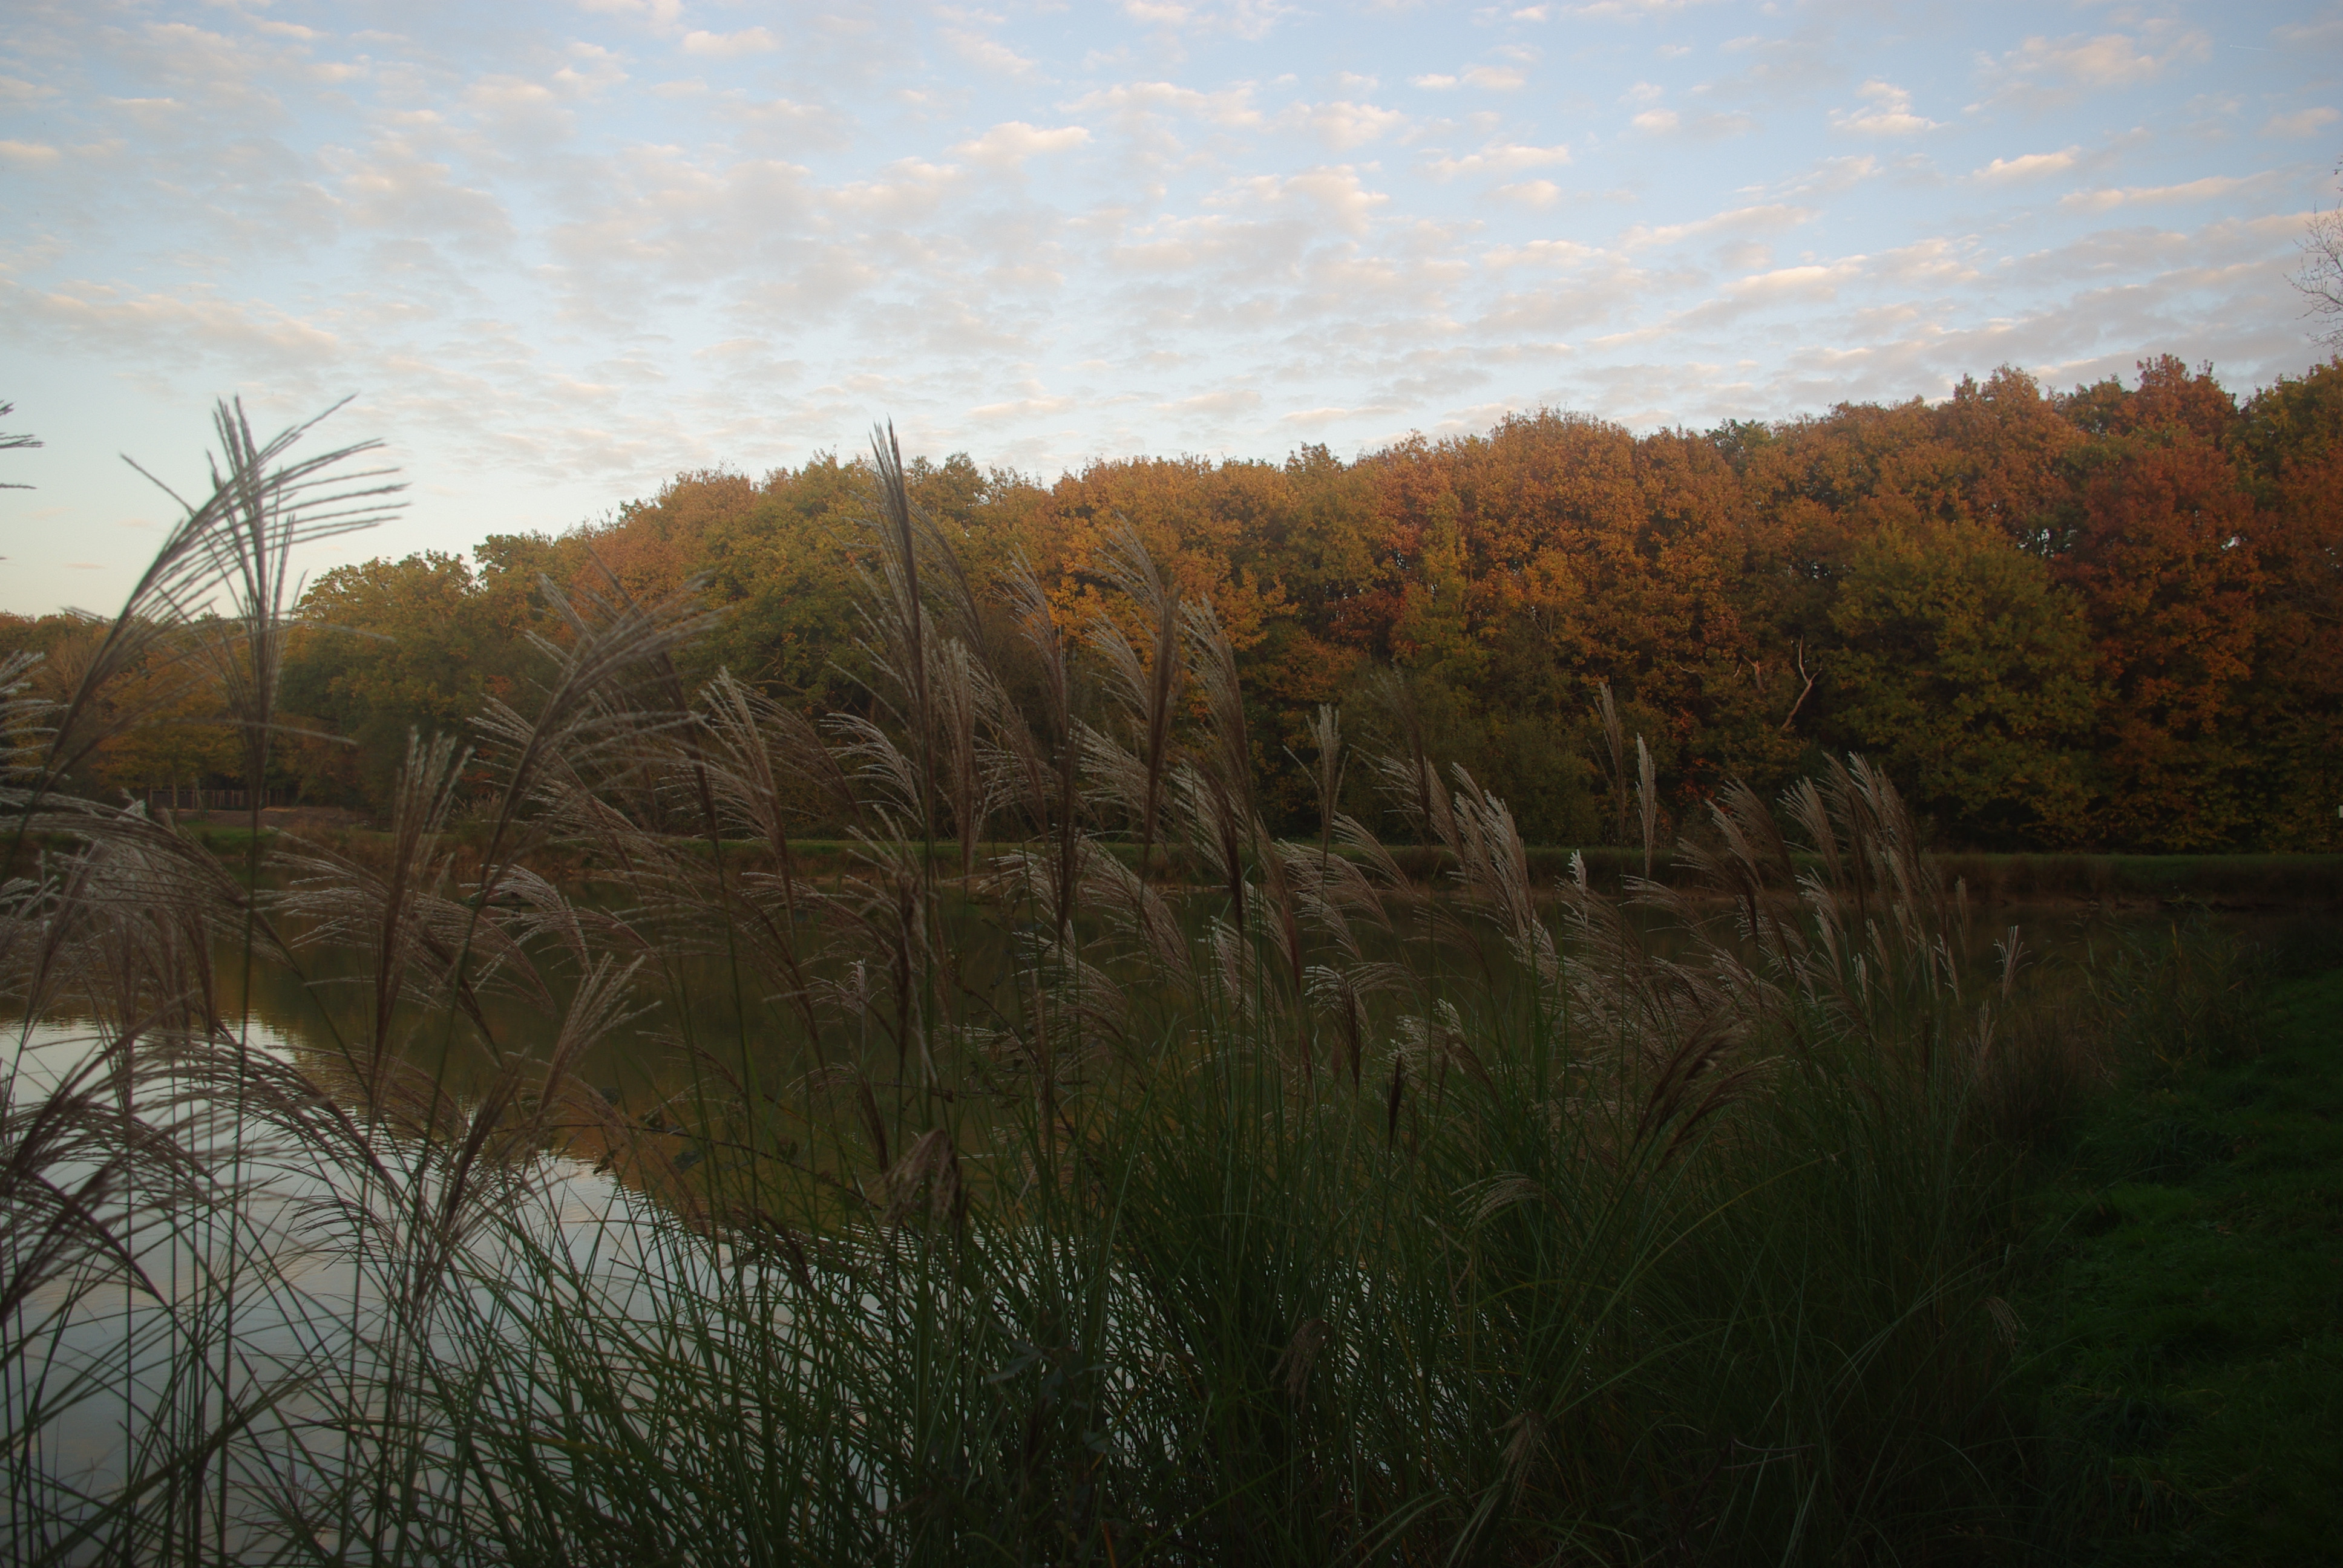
<point x="2104" y="618"/>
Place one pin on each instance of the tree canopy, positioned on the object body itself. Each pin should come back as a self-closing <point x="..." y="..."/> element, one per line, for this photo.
<point x="2110" y="617"/>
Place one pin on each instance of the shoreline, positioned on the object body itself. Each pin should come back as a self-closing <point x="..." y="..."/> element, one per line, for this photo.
<point x="2241" y="883"/>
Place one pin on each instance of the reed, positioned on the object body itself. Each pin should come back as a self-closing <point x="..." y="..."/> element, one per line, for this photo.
<point x="1317" y="1215"/>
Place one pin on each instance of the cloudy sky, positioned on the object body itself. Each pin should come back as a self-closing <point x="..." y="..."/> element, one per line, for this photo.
<point x="557" y="252"/>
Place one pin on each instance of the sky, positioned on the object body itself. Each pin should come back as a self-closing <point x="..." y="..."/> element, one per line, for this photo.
<point x="556" y="252"/>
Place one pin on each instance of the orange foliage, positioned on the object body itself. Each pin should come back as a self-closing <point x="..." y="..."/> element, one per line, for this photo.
<point x="2112" y="617"/>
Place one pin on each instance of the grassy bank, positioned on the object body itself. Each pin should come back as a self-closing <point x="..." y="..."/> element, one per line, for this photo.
<point x="2193" y="1294"/>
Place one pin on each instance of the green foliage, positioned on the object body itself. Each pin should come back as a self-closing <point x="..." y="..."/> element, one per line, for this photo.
<point x="390" y="648"/>
<point x="1962" y="672"/>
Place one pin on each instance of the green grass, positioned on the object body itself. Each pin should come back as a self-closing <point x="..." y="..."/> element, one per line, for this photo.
<point x="2240" y="881"/>
<point x="2195" y="1301"/>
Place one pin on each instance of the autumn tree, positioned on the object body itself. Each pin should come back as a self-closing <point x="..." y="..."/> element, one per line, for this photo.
<point x="1966" y="672"/>
<point x="2290" y="440"/>
<point x="2160" y="550"/>
<point x="2106" y="616"/>
<point x="390" y="648"/>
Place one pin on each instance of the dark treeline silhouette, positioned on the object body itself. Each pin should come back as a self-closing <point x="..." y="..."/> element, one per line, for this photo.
<point x="2109" y="618"/>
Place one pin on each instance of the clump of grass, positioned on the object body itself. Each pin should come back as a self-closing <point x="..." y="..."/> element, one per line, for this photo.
<point x="1319" y="1216"/>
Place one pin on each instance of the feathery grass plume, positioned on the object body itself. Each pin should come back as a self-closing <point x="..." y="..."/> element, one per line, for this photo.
<point x="1493" y="864"/>
<point x="506" y="1122"/>
<point x="1138" y="910"/>
<point x="1614" y="740"/>
<point x="129" y="1168"/>
<point x="117" y="927"/>
<point x="1046" y="759"/>
<point x="1328" y="891"/>
<point x="894" y="609"/>
<point x="766" y="761"/>
<point x="1648" y="801"/>
<point x="1146" y="686"/>
<point x="66" y="1148"/>
<point x="1329" y="764"/>
<point x="1225" y="813"/>
<point x="137" y="908"/>
<point x="1411" y="779"/>
<point x="975" y="774"/>
<point x="266" y="514"/>
<point x="260" y="507"/>
<point x="397" y="915"/>
<point x="584" y="720"/>
<point x="16" y="441"/>
<point x="22" y="709"/>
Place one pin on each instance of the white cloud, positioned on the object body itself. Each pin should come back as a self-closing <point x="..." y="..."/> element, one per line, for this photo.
<point x="2026" y="167"/>
<point x="912" y="189"/>
<point x="1658" y="122"/>
<point x="1231" y="108"/>
<point x="1812" y="281"/>
<point x="1508" y="159"/>
<point x="28" y="155"/>
<point x="1886" y="112"/>
<point x="724" y="46"/>
<point x="1250" y="19"/>
<point x="1489" y="78"/>
<point x="1011" y="143"/>
<point x="1344" y="124"/>
<point x="2323" y="32"/>
<point x="1232" y="401"/>
<point x="1318" y="418"/>
<point x="1830" y="176"/>
<point x="188" y="327"/>
<point x="988" y="54"/>
<point x="1771" y="217"/>
<point x="2212" y="187"/>
<point x="395" y="187"/>
<point x="1337" y="192"/>
<point x="17" y="93"/>
<point x="2103" y="62"/>
<point x="2300" y="124"/>
<point x="1542" y="253"/>
<point x="660" y="14"/>
<point x="1938" y="263"/>
<point x="1038" y="406"/>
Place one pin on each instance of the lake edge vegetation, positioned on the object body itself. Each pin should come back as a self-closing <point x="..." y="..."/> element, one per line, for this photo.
<point x="1359" y="1227"/>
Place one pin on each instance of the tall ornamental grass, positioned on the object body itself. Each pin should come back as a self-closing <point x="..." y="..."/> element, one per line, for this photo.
<point x="1304" y="1214"/>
